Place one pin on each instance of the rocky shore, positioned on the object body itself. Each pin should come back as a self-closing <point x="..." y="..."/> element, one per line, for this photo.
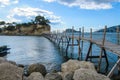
<point x="70" y="70"/>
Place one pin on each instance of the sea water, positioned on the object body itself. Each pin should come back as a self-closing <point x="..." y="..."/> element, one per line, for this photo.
<point x="27" y="50"/>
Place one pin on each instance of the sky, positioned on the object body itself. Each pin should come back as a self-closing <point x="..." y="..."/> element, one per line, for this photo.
<point x="63" y="13"/>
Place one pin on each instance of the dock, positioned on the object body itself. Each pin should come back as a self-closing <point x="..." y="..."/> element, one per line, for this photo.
<point x="103" y="44"/>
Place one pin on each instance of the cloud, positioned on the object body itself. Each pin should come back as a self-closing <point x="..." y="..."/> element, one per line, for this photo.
<point x="49" y="0"/>
<point x="4" y="3"/>
<point x="29" y="13"/>
<point x="87" y="4"/>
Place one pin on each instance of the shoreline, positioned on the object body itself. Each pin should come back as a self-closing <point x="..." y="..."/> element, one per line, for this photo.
<point x="69" y="70"/>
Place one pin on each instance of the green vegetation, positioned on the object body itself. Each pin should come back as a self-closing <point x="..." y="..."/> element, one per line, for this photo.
<point x="41" y="20"/>
<point x="2" y="22"/>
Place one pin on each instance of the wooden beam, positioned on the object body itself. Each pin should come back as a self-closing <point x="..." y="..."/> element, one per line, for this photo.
<point x="113" y="69"/>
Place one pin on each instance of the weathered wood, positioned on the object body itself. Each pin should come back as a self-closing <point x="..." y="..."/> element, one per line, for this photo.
<point x="113" y="69"/>
<point x="118" y="40"/>
<point x="91" y="33"/>
<point x="91" y="47"/>
<point x="103" y="44"/>
<point x="88" y="53"/>
<point x="67" y="46"/>
<point x="79" y="50"/>
<point x="105" y="54"/>
<point x="82" y="41"/>
<point x="72" y="40"/>
<point x="101" y="53"/>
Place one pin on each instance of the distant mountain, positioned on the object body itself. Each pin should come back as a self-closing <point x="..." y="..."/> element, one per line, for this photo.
<point x="110" y="29"/>
<point x="70" y="30"/>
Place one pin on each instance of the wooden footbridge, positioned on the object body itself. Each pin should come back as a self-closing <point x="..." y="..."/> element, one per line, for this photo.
<point x="103" y="44"/>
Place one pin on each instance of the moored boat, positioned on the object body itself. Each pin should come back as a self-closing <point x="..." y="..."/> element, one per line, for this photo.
<point x="4" y="50"/>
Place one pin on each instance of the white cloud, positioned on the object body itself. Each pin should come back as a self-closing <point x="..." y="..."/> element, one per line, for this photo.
<point x="87" y="4"/>
<point x="49" y="0"/>
<point x="12" y="19"/>
<point x="29" y="13"/>
<point x="4" y="3"/>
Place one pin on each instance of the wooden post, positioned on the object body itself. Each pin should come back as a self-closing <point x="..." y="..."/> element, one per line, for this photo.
<point x="72" y="40"/>
<point x="90" y="33"/>
<point x="118" y="42"/>
<point x="104" y="36"/>
<point x="57" y="37"/>
<point x="103" y="41"/>
<point x="79" y="51"/>
<point x="117" y="64"/>
<point x="62" y="39"/>
<point x="118" y="36"/>
<point x="91" y="44"/>
<point x="82" y="41"/>
<point x="65" y="38"/>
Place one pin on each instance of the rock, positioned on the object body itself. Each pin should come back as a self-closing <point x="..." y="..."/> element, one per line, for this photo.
<point x="53" y="76"/>
<point x="12" y="62"/>
<point x="35" y="76"/>
<point x="2" y="60"/>
<point x="10" y="72"/>
<point x="20" y="65"/>
<point x="37" y="68"/>
<point x="88" y="74"/>
<point x="72" y="65"/>
<point x="25" y="78"/>
<point x="68" y="76"/>
<point x="87" y="65"/>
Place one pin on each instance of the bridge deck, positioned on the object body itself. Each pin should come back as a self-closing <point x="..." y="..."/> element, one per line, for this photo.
<point x="115" y="48"/>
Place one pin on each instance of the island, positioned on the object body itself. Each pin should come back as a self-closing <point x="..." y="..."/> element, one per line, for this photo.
<point x="110" y="29"/>
<point x="37" y="26"/>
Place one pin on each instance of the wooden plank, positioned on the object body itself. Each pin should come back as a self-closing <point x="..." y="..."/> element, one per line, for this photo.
<point x="107" y="45"/>
<point x="113" y="69"/>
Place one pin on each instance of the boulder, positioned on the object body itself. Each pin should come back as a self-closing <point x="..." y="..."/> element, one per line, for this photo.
<point x="88" y="74"/>
<point x="72" y="65"/>
<point x="53" y="76"/>
<point x="66" y="75"/>
<point x="87" y="65"/>
<point x="25" y="78"/>
<point x="37" y="68"/>
<point x="10" y="72"/>
<point x="20" y="65"/>
<point x="35" y="76"/>
<point x="12" y="62"/>
<point x="2" y="60"/>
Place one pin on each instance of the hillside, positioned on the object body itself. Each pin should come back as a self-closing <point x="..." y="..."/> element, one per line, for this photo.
<point x="110" y="29"/>
<point x="70" y="30"/>
<point x="28" y="30"/>
<point x="36" y="26"/>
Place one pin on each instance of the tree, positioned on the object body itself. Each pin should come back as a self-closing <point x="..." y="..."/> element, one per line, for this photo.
<point x="0" y="30"/>
<point x="41" y="20"/>
<point x="2" y="22"/>
<point x="10" y="28"/>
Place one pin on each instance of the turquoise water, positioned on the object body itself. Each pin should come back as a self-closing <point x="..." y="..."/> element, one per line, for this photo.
<point x="36" y="49"/>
